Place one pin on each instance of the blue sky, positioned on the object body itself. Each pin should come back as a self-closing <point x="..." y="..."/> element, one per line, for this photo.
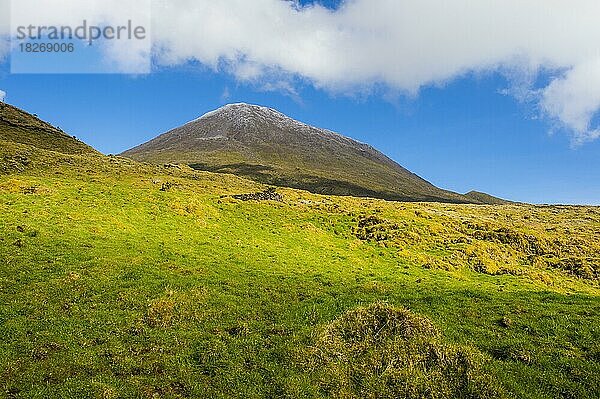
<point x="461" y="137"/>
<point x="460" y="133"/>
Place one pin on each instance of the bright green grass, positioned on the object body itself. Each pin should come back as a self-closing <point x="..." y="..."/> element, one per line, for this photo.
<point x="110" y="287"/>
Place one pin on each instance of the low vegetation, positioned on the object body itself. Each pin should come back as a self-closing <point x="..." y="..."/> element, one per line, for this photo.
<point x="119" y="279"/>
<point x="381" y="351"/>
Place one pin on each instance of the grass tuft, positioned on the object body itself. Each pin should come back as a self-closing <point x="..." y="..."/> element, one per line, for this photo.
<point x="382" y="351"/>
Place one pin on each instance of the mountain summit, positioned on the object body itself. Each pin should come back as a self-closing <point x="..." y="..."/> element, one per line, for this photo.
<point x="265" y="145"/>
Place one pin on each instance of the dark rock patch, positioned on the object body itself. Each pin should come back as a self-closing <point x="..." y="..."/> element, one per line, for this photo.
<point x="268" y="195"/>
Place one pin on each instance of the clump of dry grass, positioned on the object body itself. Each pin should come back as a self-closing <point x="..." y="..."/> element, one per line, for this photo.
<point x="161" y="313"/>
<point x="381" y="351"/>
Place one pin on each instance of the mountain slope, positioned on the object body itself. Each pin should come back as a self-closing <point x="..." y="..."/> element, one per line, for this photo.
<point x="476" y="196"/>
<point x="18" y="126"/>
<point x="267" y="146"/>
<point x="128" y="280"/>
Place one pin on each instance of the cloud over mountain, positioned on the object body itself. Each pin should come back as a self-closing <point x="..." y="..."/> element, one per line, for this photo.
<point x="403" y="45"/>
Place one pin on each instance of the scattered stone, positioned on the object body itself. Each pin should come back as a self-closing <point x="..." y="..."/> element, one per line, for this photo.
<point x="30" y="190"/>
<point x="166" y="186"/>
<point x="268" y="195"/>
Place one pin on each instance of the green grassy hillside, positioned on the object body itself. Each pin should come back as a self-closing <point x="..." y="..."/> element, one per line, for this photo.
<point x="119" y="279"/>
<point x="21" y="127"/>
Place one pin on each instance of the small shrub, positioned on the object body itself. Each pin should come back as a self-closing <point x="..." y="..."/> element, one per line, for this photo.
<point x="583" y="268"/>
<point x="373" y="228"/>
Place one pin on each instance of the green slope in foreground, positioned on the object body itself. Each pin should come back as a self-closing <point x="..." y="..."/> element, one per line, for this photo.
<point x="125" y="280"/>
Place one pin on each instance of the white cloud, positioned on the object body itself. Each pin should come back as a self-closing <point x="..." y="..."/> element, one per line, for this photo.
<point x="127" y="56"/>
<point x="574" y="99"/>
<point x="403" y="45"/>
<point x="2" y="95"/>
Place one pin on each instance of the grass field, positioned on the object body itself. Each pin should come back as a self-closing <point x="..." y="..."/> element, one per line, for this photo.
<point x="119" y="279"/>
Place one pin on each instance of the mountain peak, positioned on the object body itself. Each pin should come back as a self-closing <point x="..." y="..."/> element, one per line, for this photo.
<point x="260" y="122"/>
<point x="263" y="144"/>
<point x="240" y="109"/>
